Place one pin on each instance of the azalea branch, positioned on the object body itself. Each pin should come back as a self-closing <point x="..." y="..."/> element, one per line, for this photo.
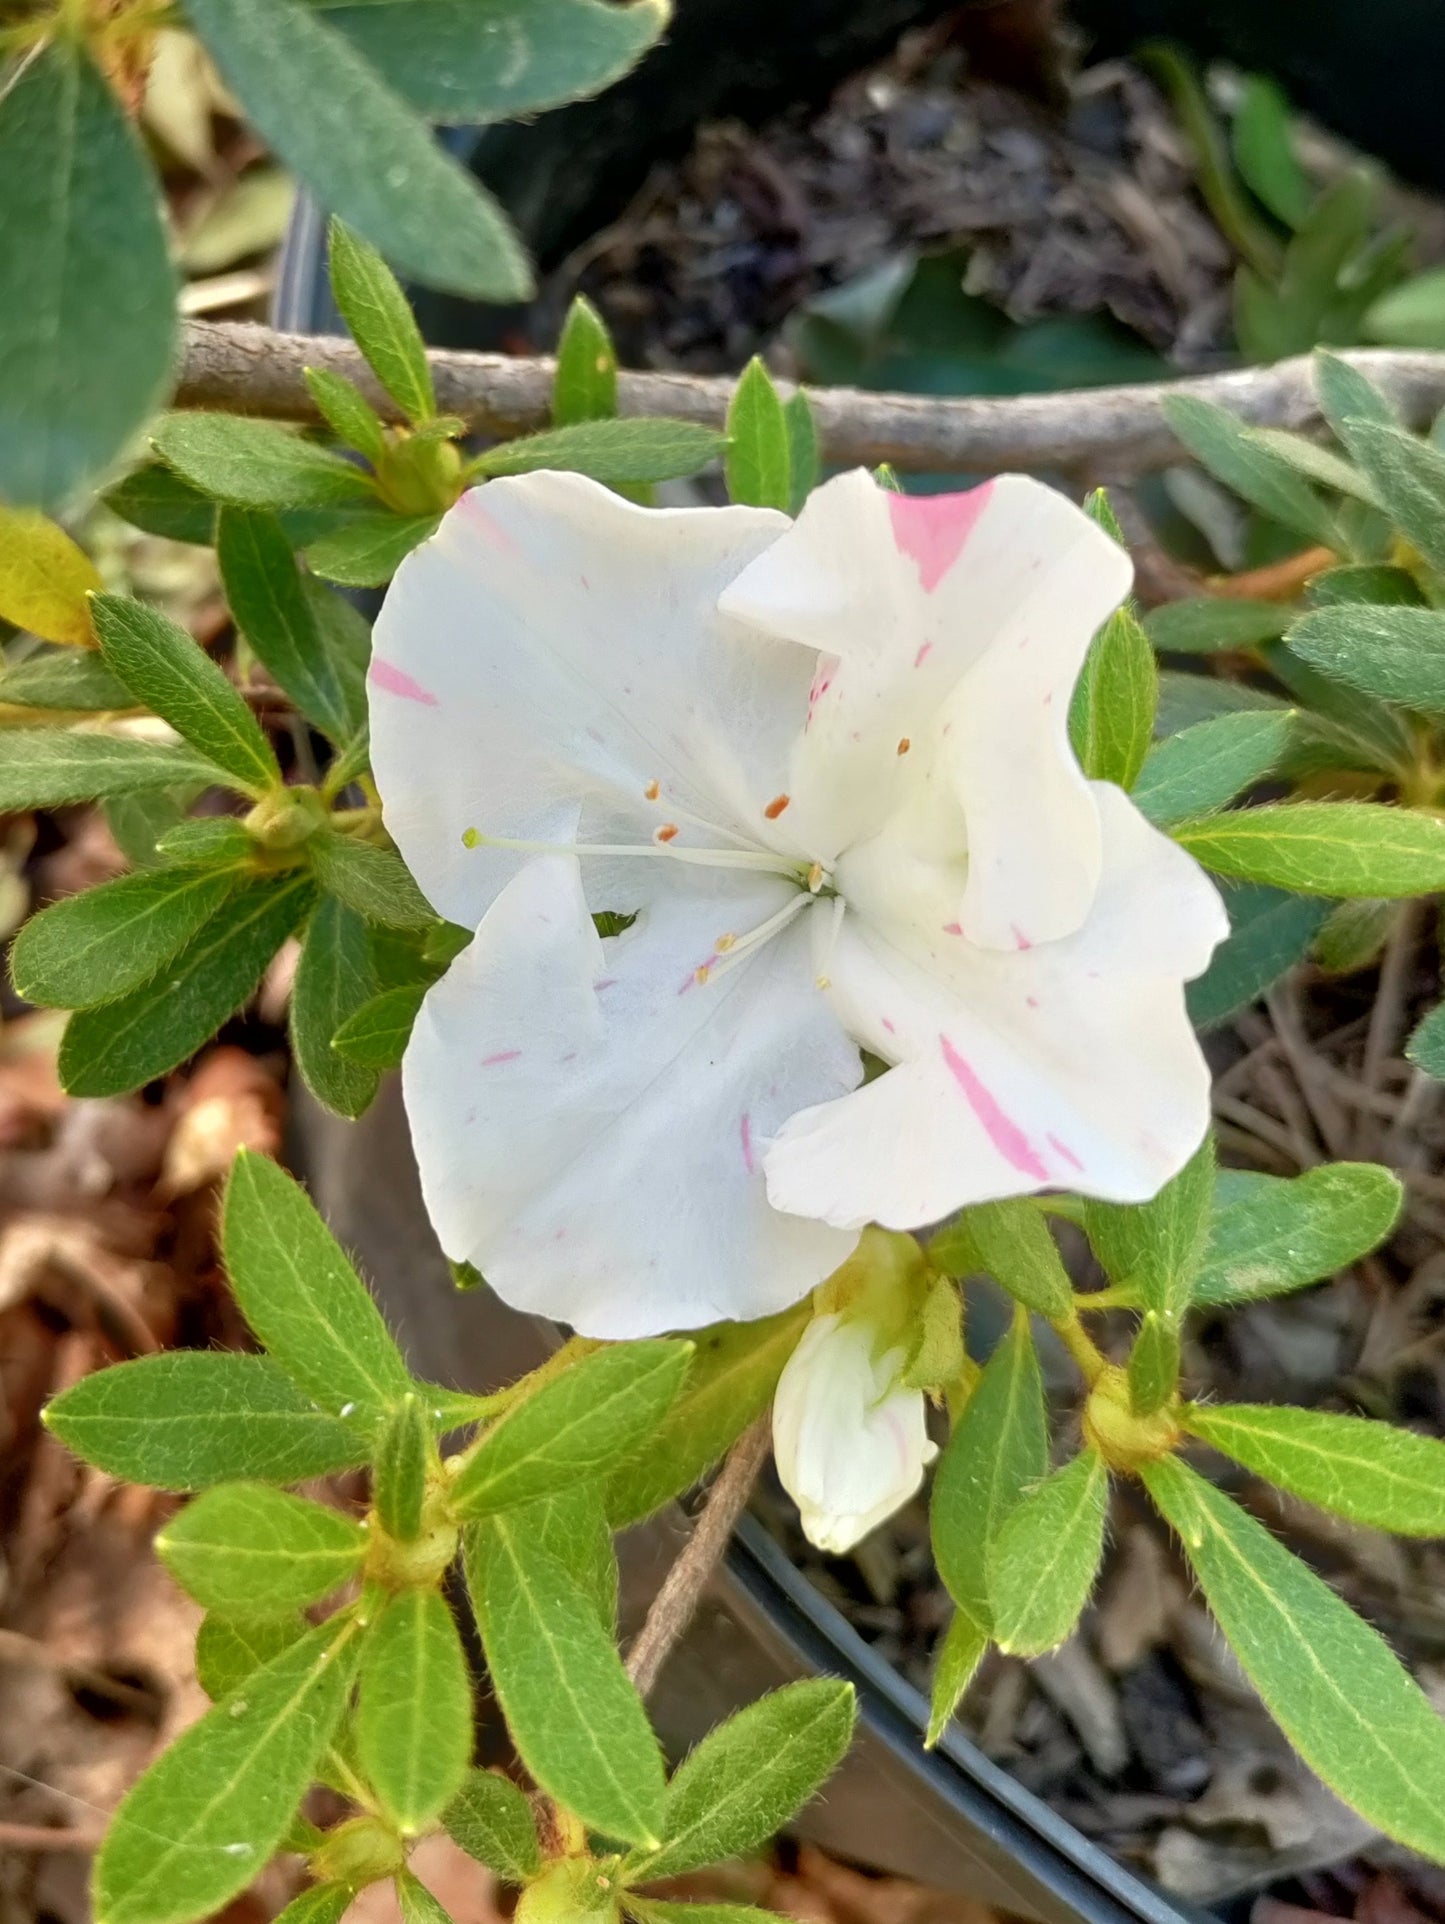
<point x="1110" y="433"/>
<point x="671" y="1610"/>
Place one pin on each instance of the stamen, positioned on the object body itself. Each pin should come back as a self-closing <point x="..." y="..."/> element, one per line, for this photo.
<point x="744" y="945"/>
<point x="830" y="940"/>
<point x="653" y="789"/>
<point x="817" y="875"/>
<point x="745" y="858"/>
<point x="653" y="792"/>
<point x="667" y="833"/>
<point x="776" y="806"/>
<point x="904" y="745"/>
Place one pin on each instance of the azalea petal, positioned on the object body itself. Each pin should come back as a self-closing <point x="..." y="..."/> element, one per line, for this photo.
<point x="951" y="627"/>
<point x="590" y="1121"/>
<point x="552" y="646"/>
<point x="1071" y="1065"/>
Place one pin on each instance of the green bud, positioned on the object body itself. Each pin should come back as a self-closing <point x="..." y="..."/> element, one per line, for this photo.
<point x="568" y="1891"/>
<point x="286" y="817"/>
<point x="361" y="1851"/>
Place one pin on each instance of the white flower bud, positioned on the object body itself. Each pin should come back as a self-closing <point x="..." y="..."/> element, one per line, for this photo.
<point x="850" y="1441"/>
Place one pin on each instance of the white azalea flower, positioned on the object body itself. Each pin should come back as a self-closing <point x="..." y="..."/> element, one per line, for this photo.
<point x="826" y="766"/>
<point x="849" y="1439"/>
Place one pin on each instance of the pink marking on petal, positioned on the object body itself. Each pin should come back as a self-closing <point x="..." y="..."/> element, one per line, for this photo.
<point x="931" y="529"/>
<point x="688" y="982"/>
<point x="1002" y="1131"/>
<point x="395" y="681"/>
<point x="923" y="653"/>
<point x="1049" y="699"/>
<point x="605" y="982"/>
<point x="889" y="1026"/>
<point x="745" y="1134"/>
<point x="502" y="1055"/>
<point x="481" y="518"/>
<point x="953" y="928"/>
<point x="571" y="1056"/>
<point x="1064" y="1150"/>
<point x="1032" y="1001"/>
<point x="1021" y="941"/>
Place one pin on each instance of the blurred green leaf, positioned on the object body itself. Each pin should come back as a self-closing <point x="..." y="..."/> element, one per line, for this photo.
<point x="400" y="1470"/>
<point x="1412" y="314"/>
<point x="491" y="1820"/>
<point x="1270" y="931"/>
<point x="375" y="882"/>
<point x="1208" y="622"/>
<point x="378" y="315"/>
<point x="87" y="292"/>
<point x="960" y="1652"/>
<point x="257" y="464"/>
<point x="1362" y="582"/>
<point x="367" y="550"/>
<point x="585" y="385"/>
<point x="1324" y="848"/>
<point x="1011" y="1241"/>
<point x="758" y="462"/>
<point x="1397" y="654"/>
<point x="1111" y="720"/>
<point x="329" y="115"/>
<point x="1154" y="1249"/>
<point x="1409" y="477"/>
<point x="1222" y="445"/>
<point x="1426" y="1047"/>
<point x="376" y="1034"/>
<point x="1272" y="1234"/>
<point x="1264" y="150"/>
<point x="61" y="678"/>
<point x="1046" y="1555"/>
<point x="1353" y="934"/>
<point x="347" y="412"/>
<point x="335" y="977"/>
<point x="631" y="450"/>
<point x="155" y="499"/>
<point x="1205" y="767"/>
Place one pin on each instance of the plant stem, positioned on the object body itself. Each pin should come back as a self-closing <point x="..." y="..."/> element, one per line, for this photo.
<point x="673" y="1606"/>
<point x="1091" y="1360"/>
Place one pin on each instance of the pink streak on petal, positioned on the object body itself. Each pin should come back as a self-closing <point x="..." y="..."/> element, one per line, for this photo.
<point x="485" y="522"/>
<point x="932" y="528"/>
<point x="605" y="982"/>
<point x="1021" y="941"/>
<point x="502" y="1055"/>
<point x="745" y="1133"/>
<point x="953" y="928"/>
<point x="1032" y="1001"/>
<point x="1064" y="1150"/>
<point x="1002" y="1131"/>
<point x="889" y="1026"/>
<point x="923" y="653"/>
<point x="395" y="681"/>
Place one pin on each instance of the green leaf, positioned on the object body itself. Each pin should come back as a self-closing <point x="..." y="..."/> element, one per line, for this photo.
<point x="1347" y="397"/>
<point x="171" y="673"/>
<point x="1220" y="443"/>
<point x="491" y="1820"/>
<point x="1373" y="1473"/>
<point x="751" y="1776"/>
<point x="1324" y="848"/>
<point x="400" y="1471"/>
<point x="1269" y="932"/>
<point x="45" y="578"/>
<point x="203" y="1820"/>
<point x="1336" y="1689"/>
<point x="335" y="977"/>
<point x="759" y="456"/>
<point x="379" y="319"/>
<point x="1196" y="627"/>
<point x="578" y="1723"/>
<point x="632" y="450"/>
<point x="1155" y="1249"/>
<point x="64" y="678"/>
<point x="257" y="464"/>
<point x="1046" y="1555"/>
<point x="1409" y="477"/>
<point x="373" y="881"/>
<point x="1411" y="314"/>
<point x="729" y="1383"/>
<point x="98" y="945"/>
<point x="190" y="1418"/>
<point x="156" y="500"/>
<point x="48" y="767"/>
<point x="1203" y="768"/>
<point x="485" y="60"/>
<point x="320" y="1904"/>
<point x="207" y="841"/>
<point x="1353" y="935"/>
<point x="273" y="610"/>
<point x="1318" y="464"/>
<point x="1272" y="1234"/>
<point x="1111" y="720"/>
<point x="376" y="1035"/>
<point x="572" y="1526"/>
<point x="414" y="1723"/>
<point x="87" y="292"/>
<point x="1395" y="653"/>
<point x="1363" y="582"/>
<point x="229" y="1650"/>
<point x="600" y="1410"/>
<point x="998" y="1449"/>
<point x="304" y="1300"/>
<point x="1186" y="698"/>
<point x="960" y="1653"/>
<point x="248" y="1551"/>
<point x="1011" y="1241"/>
<point x="335" y="122"/>
<point x="1426" y="1047"/>
<point x="1264" y="151"/>
<point x="804" y="457"/>
<point x="124" y="1044"/>
<point x="347" y="412"/>
<point x="416" y="1903"/>
<point x="1153" y="1374"/>
<point x="367" y="550"/>
<point x="584" y="387"/>
<point x="658" y="1910"/>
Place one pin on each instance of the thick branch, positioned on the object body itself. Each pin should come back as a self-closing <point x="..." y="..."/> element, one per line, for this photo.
<point x="673" y="1606"/>
<point x="1106" y="433"/>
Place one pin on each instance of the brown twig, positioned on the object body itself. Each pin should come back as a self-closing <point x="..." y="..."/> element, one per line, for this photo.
<point x="672" y="1608"/>
<point x="1110" y="433"/>
<point x="1388" y="1015"/>
<point x="44" y="1837"/>
<point x="16" y="1647"/>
